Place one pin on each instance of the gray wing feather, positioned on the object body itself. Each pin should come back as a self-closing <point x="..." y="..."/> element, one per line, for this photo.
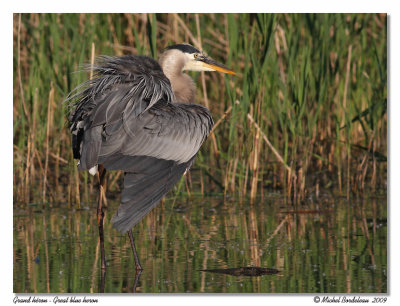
<point x="127" y="85"/>
<point x="149" y="180"/>
<point x="170" y="131"/>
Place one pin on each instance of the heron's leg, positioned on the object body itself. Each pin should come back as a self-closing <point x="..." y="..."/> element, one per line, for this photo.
<point x="102" y="281"/>
<point x="137" y="277"/>
<point x="137" y="263"/>
<point x="100" y="215"/>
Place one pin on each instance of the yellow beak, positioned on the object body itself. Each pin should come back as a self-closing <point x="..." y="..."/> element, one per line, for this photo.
<point x="214" y="65"/>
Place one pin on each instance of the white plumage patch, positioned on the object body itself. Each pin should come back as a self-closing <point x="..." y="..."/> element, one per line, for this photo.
<point x="193" y="65"/>
<point x="93" y="170"/>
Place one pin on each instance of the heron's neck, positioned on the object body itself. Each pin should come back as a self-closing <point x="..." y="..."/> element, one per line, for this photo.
<point x="183" y="88"/>
<point x="182" y="84"/>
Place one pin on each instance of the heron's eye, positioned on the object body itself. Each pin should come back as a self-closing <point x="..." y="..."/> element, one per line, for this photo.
<point x="195" y="55"/>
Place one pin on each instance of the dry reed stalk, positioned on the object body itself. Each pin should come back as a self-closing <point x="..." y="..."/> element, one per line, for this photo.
<point x="188" y="184"/>
<point x="358" y="185"/>
<point x="77" y="192"/>
<point x="373" y="176"/>
<point x="229" y="169"/>
<point x="122" y="48"/>
<point x="303" y="166"/>
<point x="234" y="174"/>
<point x="331" y="157"/>
<point x="114" y="179"/>
<point x="174" y="27"/>
<point x="32" y="131"/>
<point x="215" y="146"/>
<point x="276" y="153"/>
<point x="92" y="57"/>
<point x="254" y="165"/>
<point x="346" y="84"/>
<point x="103" y="193"/>
<point x="345" y="107"/>
<point x="112" y="31"/>
<point x="58" y="158"/>
<point x="218" y="50"/>
<point x="301" y="185"/>
<point x="280" y="33"/>
<point x="339" y="174"/>
<point x="190" y="181"/>
<point x="362" y="170"/>
<point x="218" y="40"/>
<point x="201" y="183"/>
<point x="348" y="176"/>
<point x="246" y="177"/>
<point x="128" y="30"/>
<point x="226" y="113"/>
<point x="69" y="195"/>
<point x="27" y="174"/>
<point x="46" y="163"/>
<point x="187" y="31"/>
<point x="203" y="79"/>
<point x="38" y="158"/>
<point x="57" y="189"/>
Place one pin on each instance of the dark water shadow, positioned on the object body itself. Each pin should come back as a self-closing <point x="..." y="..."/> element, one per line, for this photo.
<point x="245" y="271"/>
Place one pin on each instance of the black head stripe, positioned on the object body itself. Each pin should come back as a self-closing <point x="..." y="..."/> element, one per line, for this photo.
<point x="186" y="48"/>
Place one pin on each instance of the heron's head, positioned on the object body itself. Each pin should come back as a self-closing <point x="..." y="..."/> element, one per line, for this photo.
<point x="192" y="59"/>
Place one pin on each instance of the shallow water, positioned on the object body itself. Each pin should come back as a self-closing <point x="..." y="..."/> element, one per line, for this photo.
<point x="330" y="246"/>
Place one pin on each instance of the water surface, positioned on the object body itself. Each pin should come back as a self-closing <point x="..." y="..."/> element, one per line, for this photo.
<point x="328" y="246"/>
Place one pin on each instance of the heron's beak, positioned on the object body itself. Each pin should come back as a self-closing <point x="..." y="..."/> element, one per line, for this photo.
<point x="209" y="63"/>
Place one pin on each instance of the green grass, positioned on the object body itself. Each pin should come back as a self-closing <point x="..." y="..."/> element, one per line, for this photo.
<point x="315" y="84"/>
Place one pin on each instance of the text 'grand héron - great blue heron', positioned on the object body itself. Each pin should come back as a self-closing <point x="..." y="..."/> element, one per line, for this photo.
<point x="137" y="115"/>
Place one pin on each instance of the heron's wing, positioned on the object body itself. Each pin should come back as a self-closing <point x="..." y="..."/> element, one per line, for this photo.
<point x="169" y="131"/>
<point x="160" y="146"/>
<point x="127" y="85"/>
<point x="147" y="181"/>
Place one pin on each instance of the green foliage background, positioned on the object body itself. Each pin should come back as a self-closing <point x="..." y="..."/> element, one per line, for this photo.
<point x="313" y="85"/>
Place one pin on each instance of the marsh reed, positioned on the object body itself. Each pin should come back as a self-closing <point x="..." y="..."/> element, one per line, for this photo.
<point x="306" y="112"/>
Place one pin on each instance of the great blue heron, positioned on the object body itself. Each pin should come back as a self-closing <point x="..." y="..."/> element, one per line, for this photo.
<point x="137" y="115"/>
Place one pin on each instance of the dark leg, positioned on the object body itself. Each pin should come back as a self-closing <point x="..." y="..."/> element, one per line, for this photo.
<point x="100" y="215"/>
<point x="102" y="280"/>
<point x="137" y="277"/>
<point x="137" y="263"/>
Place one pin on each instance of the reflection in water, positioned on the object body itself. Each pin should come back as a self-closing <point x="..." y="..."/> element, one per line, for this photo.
<point x="340" y="248"/>
<point x="244" y="271"/>
<point x="103" y="280"/>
